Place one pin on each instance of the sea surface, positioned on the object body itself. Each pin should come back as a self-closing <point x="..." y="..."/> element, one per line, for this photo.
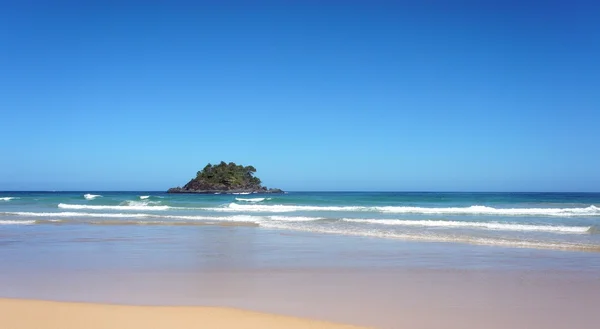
<point x="517" y="260"/>
<point x="561" y="221"/>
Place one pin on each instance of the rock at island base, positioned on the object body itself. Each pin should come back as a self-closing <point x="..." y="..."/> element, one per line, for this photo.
<point x="261" y="191"/>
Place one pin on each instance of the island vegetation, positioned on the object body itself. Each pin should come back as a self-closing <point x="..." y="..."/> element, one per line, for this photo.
<point x="225" y="178"/>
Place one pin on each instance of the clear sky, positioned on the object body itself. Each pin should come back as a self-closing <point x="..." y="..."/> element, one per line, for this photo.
<point x="336" y="95"/>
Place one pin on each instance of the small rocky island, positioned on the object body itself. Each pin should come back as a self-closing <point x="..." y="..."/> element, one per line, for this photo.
<point x="225" y="178"/>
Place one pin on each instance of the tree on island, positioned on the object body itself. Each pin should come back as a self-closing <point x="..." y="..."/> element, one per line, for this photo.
<point x="224" y="177"/>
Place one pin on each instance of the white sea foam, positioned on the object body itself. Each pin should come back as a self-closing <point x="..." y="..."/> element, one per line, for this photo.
<point x="144" y="197"/>
<point x="252" y="199"/>
<point x="138" y="203"/>
<point x="260" y="219"/>
<point x="432" y="237"/>
<point x="239" y="218"/>
<point x="74" y="214"/>
<point x="472" y="210"/>
<point x="17" y="222"/>
<point x="476" y="225"/>
<point x="241" y="193"/>
<point x="91" y="196"/>
<point x="235" y="218"/>
<point x="121" y="207"/>
<point x="234" y="207"/>
<point x="294" y="218"/>
<point x="8" y="198"/>
<point x="170" y="218"/>
<point x="483" y="210"/>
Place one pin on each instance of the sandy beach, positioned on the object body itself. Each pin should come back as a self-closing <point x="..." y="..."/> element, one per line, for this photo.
<point x="387" y="299"/>
<point x="33" y="314"/>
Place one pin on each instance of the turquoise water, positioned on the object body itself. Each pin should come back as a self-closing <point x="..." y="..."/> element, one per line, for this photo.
<point x="561" y="221"/>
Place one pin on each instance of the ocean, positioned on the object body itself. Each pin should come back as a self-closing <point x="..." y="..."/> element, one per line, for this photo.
<point x="560" y="221"/>
<point x="516" y="260"/>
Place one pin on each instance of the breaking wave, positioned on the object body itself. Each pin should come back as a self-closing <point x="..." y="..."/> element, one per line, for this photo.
<point x="74" y="214"/>
<point x="168" y="223"/>
<point x="17" y="222"/>
<point x="153" y="217"/>
<point x="294" y="218"/>
<point x="138" y="203"/>
<point x="120" y="207"/>
<point x="91" y="196"/>
<point x="380" y="228"/>
<point x="8" y="198"/>
<point x="144" y="197"/>
<point x="472" y="210"/>
<point x="283" y="208"/>
<point x="388" y="222"/>
<point x="252" y="199"/>
<point x="238" y="218"/>
<point x="483" y="210"/>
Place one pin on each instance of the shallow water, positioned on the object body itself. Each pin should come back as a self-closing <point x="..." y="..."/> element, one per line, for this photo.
<point x="562" y="221"/>
<point x="357" y="280"/>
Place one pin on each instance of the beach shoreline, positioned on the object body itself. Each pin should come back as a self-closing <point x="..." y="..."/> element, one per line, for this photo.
<point x="376" y="298"/>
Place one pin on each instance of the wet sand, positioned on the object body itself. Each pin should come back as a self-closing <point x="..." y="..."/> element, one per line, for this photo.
<point x="34" y="314"/>
<point x="384" y="298"/>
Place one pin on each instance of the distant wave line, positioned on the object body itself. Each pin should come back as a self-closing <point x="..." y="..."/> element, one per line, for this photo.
<point x="105" y="207"/>
<point x="472" y="210"/>
<point x="252" y="199"/>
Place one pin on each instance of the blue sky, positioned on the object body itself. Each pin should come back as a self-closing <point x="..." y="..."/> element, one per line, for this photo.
<point x="354" y="95"/>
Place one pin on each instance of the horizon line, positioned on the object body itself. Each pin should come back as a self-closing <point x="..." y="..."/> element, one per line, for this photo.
<point x="299" y="191"/>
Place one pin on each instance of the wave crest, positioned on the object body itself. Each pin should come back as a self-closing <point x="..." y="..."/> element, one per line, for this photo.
<point x="74" y="214"/>
<point x="252" y="199"/>
<point x="284" y="208"/>
<point x="91" y="196"/>
<point x="295" y="218"/>
<point x="116" y="218"/>
<point x="17" y="222"/>
<point x="138" y="203"/>
<point x="120" y="207"/>
<point x="484" y="210"/>
<point x="472" y="210"/>
<point x="8" y="198"/>
<point x="235" y="218"/>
